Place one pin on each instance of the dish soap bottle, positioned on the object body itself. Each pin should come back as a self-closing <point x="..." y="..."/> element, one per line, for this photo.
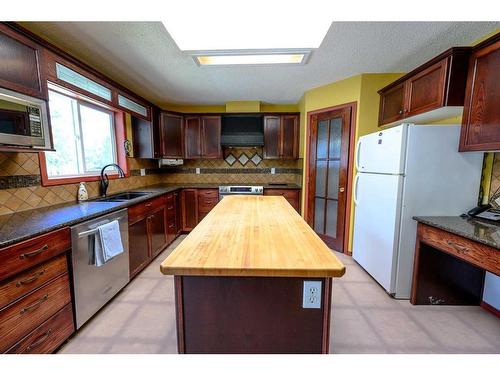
<point x="83" y="195"/>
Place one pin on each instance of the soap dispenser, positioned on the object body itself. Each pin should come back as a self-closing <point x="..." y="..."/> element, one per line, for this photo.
<point x="83" y="195"/>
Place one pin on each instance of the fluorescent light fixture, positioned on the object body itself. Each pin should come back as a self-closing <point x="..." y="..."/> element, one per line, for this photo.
<point x="258" y="24"/>
<point x="250" y="58"/>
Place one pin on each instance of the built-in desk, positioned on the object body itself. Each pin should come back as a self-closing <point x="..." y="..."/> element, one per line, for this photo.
<point x="451" y="257"/>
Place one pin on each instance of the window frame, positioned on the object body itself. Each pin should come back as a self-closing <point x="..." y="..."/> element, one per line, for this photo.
<point x="119" y="139"/>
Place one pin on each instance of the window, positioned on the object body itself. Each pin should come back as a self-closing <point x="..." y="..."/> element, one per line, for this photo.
<point x="84" y="137"/>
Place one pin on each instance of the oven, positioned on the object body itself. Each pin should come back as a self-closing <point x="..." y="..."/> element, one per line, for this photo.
<point x="23" y="121"/>
<point x="240" y="190"/>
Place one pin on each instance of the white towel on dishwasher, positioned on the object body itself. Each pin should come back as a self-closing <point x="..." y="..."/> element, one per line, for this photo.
<point x="108" y="242"/>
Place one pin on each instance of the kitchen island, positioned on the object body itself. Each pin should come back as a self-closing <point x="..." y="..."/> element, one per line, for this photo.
<point x="253" y="277"/>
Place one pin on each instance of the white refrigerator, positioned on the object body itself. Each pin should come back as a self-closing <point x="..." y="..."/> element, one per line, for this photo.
<point x="405" y="171"/>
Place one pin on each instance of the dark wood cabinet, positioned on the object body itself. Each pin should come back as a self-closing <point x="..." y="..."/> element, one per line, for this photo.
<point x="189" y="208"/>
<point x="145" y="138"/>
<point x="437" y="84"/>
<point x="202" y="137"/>
<point x="481" y="118"/>
<point x="157" y="231"/>
<point x="291" y="195"/>
<point x="173" y="216"/>
<point x="207" y="199"/>
<point x="139" y="254"/>
<point x="281" y="137"/>
<point x="20" y="64"/>
<point x="171" y="135"/>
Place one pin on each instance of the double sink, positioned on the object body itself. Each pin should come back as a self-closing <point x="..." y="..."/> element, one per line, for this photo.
<point x="123" y="197"/>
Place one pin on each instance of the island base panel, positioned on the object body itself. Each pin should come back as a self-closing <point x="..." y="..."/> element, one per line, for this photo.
<point x="250" y="315"/>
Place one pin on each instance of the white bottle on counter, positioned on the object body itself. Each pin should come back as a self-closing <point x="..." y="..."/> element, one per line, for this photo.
<point x="83" y="195"/>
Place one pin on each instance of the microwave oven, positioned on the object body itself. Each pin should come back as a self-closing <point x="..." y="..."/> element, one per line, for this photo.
<point x="23" y="121"/>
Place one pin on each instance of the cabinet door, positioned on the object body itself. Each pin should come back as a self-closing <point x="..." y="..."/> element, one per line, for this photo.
<point x="178" y="215"/>
<point x="20" y="57"/>
<point x="289" y="137"/>
<point x="189" y="208"/>
<point x="157" y="230"/>
<point x="139" y="254"/>
<point x="272" y="141"/>
<point x="391" y="104"/>
<point x="211" y="133"/>
<point x="481" y="118"/>
<point x="425" y="90"/>
<point x="144" y="138"/>
<point x="291" y="195"/>
<point x="171" y="136"/>
<point x="192" y="137"/>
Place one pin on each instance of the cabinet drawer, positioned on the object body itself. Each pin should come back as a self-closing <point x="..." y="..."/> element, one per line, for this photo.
<point x="288" y="194"/>
<point x="208" y="193"/>
<point x="31" y="279"/>
<point x="24" y="255"/>
<point x="48" y="336"/>
<point x="470" y="251"/>
<point x="141" y="210"/>
<point x="21" y="317"/>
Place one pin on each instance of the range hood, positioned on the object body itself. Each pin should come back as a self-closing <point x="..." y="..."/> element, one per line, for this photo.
<point x="242" y="131"/>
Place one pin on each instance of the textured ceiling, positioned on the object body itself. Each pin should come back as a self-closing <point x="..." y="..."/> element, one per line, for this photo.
<point x="143" y="57"/>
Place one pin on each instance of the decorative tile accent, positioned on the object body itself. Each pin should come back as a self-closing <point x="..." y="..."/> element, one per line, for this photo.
<point x="243" y="159"/>
<point x="256" y="159"/>
<point x="230" y="159"/>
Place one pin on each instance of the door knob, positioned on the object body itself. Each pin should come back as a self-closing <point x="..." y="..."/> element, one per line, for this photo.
<point x="341" y="189"/>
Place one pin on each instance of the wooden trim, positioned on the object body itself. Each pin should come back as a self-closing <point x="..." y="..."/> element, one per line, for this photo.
<point x="490" y="308"/>
<point x="352" y="106"/>
<point x="327" y="306"/>
<point x="179" y="314"/>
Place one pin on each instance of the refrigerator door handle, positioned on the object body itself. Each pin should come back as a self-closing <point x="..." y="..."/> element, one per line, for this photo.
<point x="358" y="147"/>
<point x="355" y="195"/>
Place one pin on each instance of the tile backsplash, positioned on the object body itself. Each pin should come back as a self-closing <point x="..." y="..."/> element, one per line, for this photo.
<point x="20" y="186"/>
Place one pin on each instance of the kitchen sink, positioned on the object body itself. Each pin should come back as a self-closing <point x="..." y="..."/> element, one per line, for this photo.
<point x="124" y="196"/>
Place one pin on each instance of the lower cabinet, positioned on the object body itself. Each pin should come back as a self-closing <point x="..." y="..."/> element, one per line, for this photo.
<point x="139" y="255"/>
<point x="207" y="199"/>
<point x="157" y="231"/>
<point x="36" y="313"/>
<point x="291" y="195"/>
<point x="189" y="208"/>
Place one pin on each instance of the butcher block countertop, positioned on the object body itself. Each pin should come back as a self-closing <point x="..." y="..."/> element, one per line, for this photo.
<point x="253" y="236"/>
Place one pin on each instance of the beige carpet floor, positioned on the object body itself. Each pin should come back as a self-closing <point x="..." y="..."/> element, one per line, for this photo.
<point x="141" y="319"/>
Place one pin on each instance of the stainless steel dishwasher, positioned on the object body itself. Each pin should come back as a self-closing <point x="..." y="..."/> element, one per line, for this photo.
<point x="95" y="286"/>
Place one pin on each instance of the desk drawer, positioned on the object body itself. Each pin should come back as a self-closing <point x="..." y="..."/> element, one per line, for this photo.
<point x="21" y="256"/>
<point x="470" y="251"/>
<point x="141" y="210"/>
<point x="48" y="336"/>
<point x="21" y="317"/>
<point x="31" y="279"/>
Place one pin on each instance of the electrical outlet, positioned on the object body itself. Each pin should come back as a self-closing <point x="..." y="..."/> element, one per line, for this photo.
<point x="311" y="298"/>
<point x="273" y="170"/>
<point x="143" y="172"/>
<point x="197" y="170"/>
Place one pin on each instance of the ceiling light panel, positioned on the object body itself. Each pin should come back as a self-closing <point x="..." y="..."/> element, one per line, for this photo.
<point x="251" y="59"/>
<point x="220" y="25"/>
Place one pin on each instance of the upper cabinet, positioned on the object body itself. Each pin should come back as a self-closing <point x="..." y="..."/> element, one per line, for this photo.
<point x="145" y="138"/>
<point x="202" y="137"/>
<point x="20" y="64"/>
<point x="481" y="118"/>
<point x="281" y="137"/>
<point x="432" y="91"/>
<point x="171" y="134"/>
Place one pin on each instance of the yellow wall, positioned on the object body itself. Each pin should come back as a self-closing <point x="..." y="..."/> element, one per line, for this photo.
<point x="361" y="89"/>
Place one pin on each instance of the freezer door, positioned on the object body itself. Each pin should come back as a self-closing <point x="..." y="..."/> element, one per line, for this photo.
<point x="376" y="225"/>
<point x="383" y="151"/>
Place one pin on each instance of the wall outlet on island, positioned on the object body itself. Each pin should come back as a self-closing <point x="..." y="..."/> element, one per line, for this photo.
<point x="273" y="170"/>
<point x="311" y="298"/>
<point x="143" y="172"/>
<point x="197" y="170"/>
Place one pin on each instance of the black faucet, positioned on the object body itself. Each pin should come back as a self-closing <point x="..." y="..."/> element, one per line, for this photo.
<point x="105" y="179"/>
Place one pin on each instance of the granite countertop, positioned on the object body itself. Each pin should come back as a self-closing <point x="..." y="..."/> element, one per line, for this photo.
<point x="482" y="231"/>
<point x="23" y="225"/>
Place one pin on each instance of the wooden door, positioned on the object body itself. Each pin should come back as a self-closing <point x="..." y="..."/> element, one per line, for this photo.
<point x="425" y="90"/>
<point x="192" y="137"/>
<point x="156" y="230"/>
<point x="189" y="209"/>
<point x="391" y="104"/>
<point x="171" y="136"/>
<point x="211" y="133"/>
<point x="272" y="140"/>
<point x="328" y="163"/>
<point x="139" y="254"/>
<point x="289" y="136"/>
<point x="481" y="118"/>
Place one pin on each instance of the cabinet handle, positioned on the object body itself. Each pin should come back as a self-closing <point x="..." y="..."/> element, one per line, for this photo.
<point x="457" y="247"/>
<point x="170" y="208"/>
<point x="400" y="112"/>
<point x="33" y="253"/>
<point x="35" y="305"/>
<point x="41" y="339"/>
<point x="148" y="204"/>
<point x="30" y="279"/>
<point x="171" y="226"/>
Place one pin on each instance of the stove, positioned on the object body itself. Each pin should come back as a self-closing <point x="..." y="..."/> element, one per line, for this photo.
<point x="240" y="190"/>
